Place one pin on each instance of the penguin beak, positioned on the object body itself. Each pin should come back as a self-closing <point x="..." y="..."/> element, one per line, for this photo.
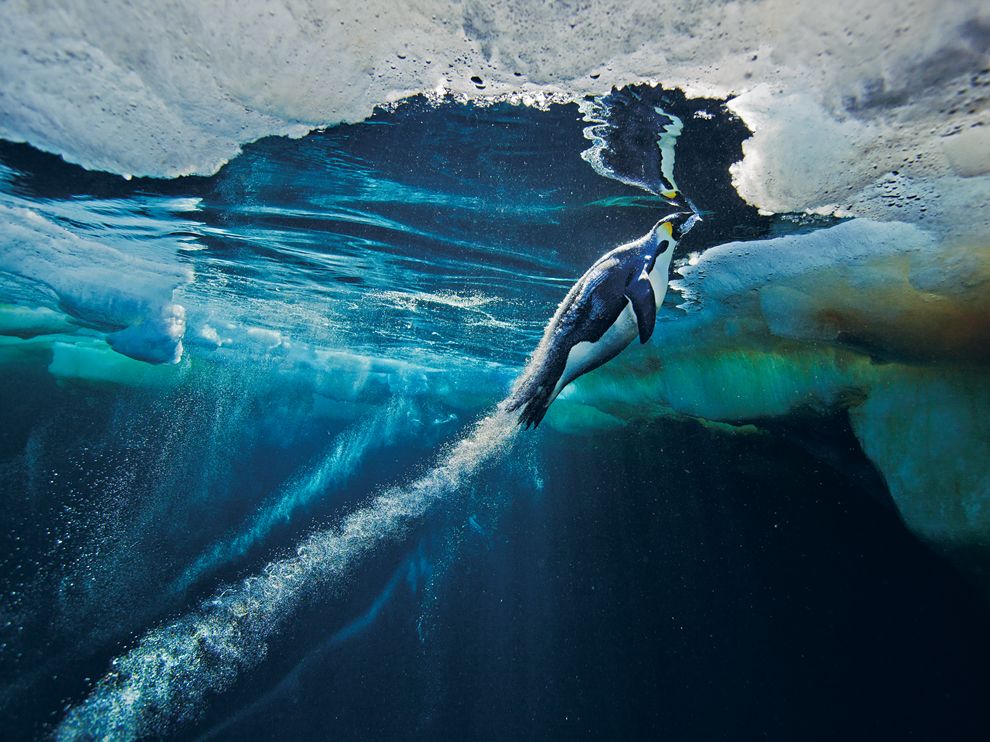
<point x="690" y="222"/>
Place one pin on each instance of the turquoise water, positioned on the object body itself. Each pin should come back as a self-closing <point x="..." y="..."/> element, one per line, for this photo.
<point x="245" y="495"/>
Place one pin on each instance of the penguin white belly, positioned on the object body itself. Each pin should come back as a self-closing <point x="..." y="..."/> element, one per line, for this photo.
<point x="660" y="279"/>
<point x="586" y="356"/>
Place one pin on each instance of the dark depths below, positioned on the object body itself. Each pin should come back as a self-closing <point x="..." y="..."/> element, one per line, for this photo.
<point x="669" y="582"/>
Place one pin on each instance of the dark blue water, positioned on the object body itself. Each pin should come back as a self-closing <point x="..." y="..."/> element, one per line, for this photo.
<point x="352" y="302"/>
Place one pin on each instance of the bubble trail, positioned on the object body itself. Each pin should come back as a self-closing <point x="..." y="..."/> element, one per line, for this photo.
<point x="166" y="678"/>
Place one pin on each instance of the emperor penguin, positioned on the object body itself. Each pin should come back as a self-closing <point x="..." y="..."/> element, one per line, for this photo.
<point x="616" y="300"/>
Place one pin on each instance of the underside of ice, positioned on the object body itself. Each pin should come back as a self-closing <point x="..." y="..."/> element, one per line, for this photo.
<point x="839" y="96"/>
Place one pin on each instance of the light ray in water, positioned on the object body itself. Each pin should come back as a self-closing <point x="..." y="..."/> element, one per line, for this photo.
<point x="334" y="467"/>
<point x="165" y="679"/>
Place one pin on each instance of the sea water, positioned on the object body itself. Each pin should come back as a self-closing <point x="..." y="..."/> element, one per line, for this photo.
<point x="256" y="482"/>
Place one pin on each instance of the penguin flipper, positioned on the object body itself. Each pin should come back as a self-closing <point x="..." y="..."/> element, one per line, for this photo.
<point x="644" y="304"/>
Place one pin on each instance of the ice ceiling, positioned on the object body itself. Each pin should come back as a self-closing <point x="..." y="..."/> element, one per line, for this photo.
<point x="863" y="107"/>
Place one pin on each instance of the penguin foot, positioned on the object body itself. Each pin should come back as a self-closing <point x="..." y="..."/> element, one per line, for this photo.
<point x="535" y="407"/>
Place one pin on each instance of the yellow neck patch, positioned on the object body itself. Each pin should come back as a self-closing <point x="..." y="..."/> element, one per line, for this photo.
<point x="669" y="228"/>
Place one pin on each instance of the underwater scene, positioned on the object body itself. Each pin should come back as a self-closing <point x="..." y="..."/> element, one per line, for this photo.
<point x="495" y="370"/>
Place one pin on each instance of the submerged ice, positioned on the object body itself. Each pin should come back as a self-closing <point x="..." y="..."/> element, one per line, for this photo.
<point x="79" y="272"/>
<point x="844" y="317"/>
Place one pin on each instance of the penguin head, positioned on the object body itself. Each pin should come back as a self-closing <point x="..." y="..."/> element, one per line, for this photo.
<point x="678" y="224"/>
